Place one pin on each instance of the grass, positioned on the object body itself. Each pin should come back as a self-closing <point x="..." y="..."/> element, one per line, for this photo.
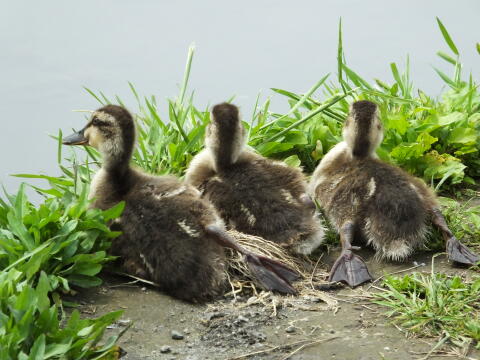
<point x="60" y="245"/>
<point x="435" y="305"/>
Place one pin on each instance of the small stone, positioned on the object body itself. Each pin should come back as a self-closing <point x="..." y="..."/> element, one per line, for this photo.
<point x="144" y="289"/>
<point x="125" y="322"/>
<point x="242" y="319"/>
<point x="177" y="335"/>
<point x="290" y="329"/>
<point x="165" y="349"/>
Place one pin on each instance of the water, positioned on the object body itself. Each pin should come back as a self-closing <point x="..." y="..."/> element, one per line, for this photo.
<point x="50" y="49"/>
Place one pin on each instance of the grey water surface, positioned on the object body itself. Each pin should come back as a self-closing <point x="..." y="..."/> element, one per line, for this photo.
<point x="51" y="48"/>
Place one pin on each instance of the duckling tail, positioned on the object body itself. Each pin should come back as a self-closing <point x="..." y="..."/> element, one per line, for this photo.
<point x="271" y="274"/>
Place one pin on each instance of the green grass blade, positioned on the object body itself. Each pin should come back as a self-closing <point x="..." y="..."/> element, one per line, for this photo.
<point x="447" y="37"/>
<point x="186" y="76"/>
<point x="300" y="102"/>
<point x="447" y="57"/>
<point x="340" y="56"/>
<point x="94" y="95"/>
<point x="445" y="78"/>
<point x="309" y="116"/>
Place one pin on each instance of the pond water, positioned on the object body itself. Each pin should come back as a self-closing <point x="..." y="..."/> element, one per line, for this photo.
<point x="50" y="49"/>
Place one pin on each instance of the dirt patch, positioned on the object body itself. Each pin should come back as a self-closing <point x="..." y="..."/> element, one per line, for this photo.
<point x="350" y="327"/>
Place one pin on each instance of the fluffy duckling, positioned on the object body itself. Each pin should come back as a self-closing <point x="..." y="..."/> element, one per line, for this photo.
<point x="381" y="203"/>
<point x="169" y="234"/>
<point x="253" y="194"/>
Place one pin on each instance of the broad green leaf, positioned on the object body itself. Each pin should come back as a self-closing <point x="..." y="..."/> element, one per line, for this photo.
<point x="451" y="118"/>
<point x="292" y="161"/>
<point x="463" y="135"/>
<point x="114" y="212"/>
<point x="38" y="349"/>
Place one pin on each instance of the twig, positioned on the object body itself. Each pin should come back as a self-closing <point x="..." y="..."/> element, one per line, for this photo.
<point x="313" y="272"/>
<point x="127" y="284"/>
<point x="148" y="282"/>
<point x="307" y="345"/>
<point x="264" y="351"/>
<point x="437" y="345"/>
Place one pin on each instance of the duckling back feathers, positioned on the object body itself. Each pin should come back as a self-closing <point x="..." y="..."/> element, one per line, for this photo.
<point x="389" y="207"/>
<point x="163" y="227"/>
<point x="262" y="198"/>
<point x="253" y="194"/>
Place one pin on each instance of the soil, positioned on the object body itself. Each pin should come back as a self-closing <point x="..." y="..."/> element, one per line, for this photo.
<point x="349" y="328"/>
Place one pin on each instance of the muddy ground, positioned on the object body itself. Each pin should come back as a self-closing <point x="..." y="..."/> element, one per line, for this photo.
<point x="335" y="324"/>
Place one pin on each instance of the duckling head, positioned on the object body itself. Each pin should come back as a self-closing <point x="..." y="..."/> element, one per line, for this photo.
<point x="225" y="134"/>
<point x="363" y="130"/>
<point x="110" y="130"/>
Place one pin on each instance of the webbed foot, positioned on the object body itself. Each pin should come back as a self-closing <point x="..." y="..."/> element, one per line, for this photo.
<point x="459" y="253"/>
<point x="271" y="274"/>
<point x="351" y="269"/>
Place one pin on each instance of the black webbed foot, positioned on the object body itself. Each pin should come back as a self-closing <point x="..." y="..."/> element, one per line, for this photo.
<point x="272" y="275"/>
<point x="280" y="269"/>
<point x="351" y="269"/>
<point x="459" y="253"/>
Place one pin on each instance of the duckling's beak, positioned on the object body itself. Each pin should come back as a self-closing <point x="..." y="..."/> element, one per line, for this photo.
<point x="77" y="138"/>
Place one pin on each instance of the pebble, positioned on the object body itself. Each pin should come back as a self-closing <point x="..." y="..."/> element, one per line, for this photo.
<point x="177" y="335"/>
<point x="165" y="349"/>
<point x="290" y="329"/>
<point x="214" y="315"/>
<point x="242" y="318"/>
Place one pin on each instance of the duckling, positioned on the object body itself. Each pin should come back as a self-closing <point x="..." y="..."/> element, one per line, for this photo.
<point x="252" y="194"/>
<point x="364" y="196"/>
<point x="169" y="234"/>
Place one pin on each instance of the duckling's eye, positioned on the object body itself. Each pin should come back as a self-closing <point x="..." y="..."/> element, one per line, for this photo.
<point x="97" y="122"/>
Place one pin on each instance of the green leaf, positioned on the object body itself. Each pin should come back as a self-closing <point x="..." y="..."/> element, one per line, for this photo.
<point x="54" y="350"/>
<point x="292" y="161"/>
<point x="398" y="122"/>
<point x="447" y="57"/>
<point x="406" y="151"/>
<point x="451" y="118"/>
<point x="463" y="135"/>
<point x="447" y="37"/>
<point x="114" y="212"/>
<point x="445" y="78"/>
<point x="43" y="289"/>
<point x="85" y="331"/>
<point x="38" y="349"/>
<point x="84" y="280"/>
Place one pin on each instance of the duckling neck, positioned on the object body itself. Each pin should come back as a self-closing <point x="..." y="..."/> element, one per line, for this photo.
<point x="117" y="169"/>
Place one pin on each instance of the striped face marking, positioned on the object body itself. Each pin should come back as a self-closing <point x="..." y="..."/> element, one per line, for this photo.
<point x="103" y="133"/>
